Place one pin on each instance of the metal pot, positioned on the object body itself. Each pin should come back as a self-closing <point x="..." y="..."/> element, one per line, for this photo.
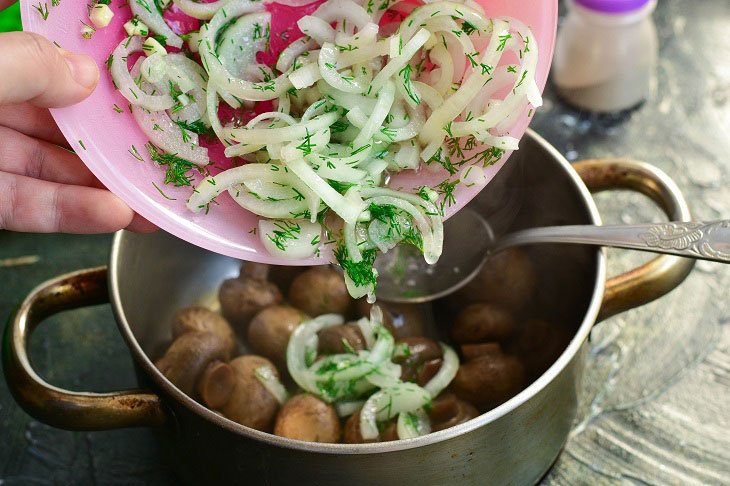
<point x="151" y="276"/>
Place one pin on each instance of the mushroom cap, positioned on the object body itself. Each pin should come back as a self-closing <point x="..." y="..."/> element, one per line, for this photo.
<point x="269" y="330"/>
<point x="508" y="278"/>
<point x="538" y="344"/>
<point x="482" y="322"/>
<point x="402" y="320"/>
<point x="241" y="298"/>
<point x="201" y="319"/>
<point x="475" y="350"/>
<point x="320" y="290"/>
<point x="216" y="384"/>
<point x="447" y="411"/>
<point x="306" y="417"/>
<point x="187" y="357"/>
<point x="332" y="339"/>
<point x="352" y="433"/>
<point x="422" y="360"/>
<point x="489" y="380"/>
<point x="250" y="403"/>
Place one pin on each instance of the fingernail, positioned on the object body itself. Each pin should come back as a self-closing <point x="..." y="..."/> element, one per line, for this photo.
<point x="83" y="69"/>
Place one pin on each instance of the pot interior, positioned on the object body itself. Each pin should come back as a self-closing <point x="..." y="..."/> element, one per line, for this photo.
<point x="158" y="274"/>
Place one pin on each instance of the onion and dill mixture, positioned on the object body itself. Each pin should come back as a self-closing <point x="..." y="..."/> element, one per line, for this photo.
<point x="370" y="89"/>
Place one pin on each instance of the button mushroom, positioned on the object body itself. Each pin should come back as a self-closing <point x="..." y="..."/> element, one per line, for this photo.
<point x="539" y="344"/>
<point x="447" y="411"/>
<point x="269" y="330"/>
<point x="472" y="351"/>
<point x="419" y="357"/>
<point x="489" y="380"/>
<point x="482" y="322"/>
<point x="188" y="356"/>
<point x="283" y="276"/>
<point x="216" y="384"/>
<point x="352" y="433"/>
<point x="402" y="320"/>
<point x="343" y="338"/>
<point x="508" y="278"/>
<point x="200" y="319"/>
<point x="306" y="417"/>
<point x="320" y="290"/>
<point x="246" y="401"/>
<point x="241" y="298"/>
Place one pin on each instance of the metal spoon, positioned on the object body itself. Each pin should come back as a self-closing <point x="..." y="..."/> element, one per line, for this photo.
<point x="469" y="240"/>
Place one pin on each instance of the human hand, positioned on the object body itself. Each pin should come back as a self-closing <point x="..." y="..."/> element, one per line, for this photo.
<point x="43" y="186"/>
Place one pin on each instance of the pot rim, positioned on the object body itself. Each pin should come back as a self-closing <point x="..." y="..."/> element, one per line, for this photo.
<point x="380" y="447"/>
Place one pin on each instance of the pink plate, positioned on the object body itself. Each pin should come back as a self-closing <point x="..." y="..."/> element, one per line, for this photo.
<point x="103" y="138"/>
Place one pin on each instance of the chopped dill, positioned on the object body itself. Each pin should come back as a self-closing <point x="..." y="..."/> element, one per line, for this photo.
<point x="177" y="169"/>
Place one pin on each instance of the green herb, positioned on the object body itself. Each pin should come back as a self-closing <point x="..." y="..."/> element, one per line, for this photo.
<point x="471" y="57"/>
<point x="446" y="189"/>
<point x="135" y="153"/>
<point x="42" y="9"/>
<point x="287" y="230"/>
<point x="447" y="128"/>
<point x="163" y="194"/>
<point x="306" y="145"/>
<point x="503" y="41"/>
<point x="195" y="127"/>
<point x="177" y="169"/>
<point x="340" y="187"/>
<point x="361" y="273"/>
<point x="388" y="132"/>
<point x="408" y="85"/>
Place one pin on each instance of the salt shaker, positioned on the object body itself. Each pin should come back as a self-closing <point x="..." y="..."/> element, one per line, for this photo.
<point x="606" y="54"/>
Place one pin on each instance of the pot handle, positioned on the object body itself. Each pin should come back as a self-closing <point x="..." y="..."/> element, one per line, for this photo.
<point x="660" y="275"/>
<point x="55" y="406"/>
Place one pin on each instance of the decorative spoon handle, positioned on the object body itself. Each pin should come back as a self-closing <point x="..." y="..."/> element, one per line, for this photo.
<point x="694" y="239"/>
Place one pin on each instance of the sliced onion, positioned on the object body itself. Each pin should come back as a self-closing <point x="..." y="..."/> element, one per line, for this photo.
<point x="199" y="10"/>
<point x="385" y="375"/>
<point x="224" y="79"/>
<point x="388" y="403"/>
<point x="445" y="374"/>
<point x="126" y="85"/>
<point x="413" y="424"/>
<point x="147" y="12"/>
<point x="346" y="209"/>
<point x="266" y="377"/>
<point x="300" y="239"/>
<point x="167" y="135"/>
<point x="347" y="408"/>
<point x="212" y="186"/>
<point x="380" y="111"/>
<point x="282" y="134"/>
<point x="299" y="342"/>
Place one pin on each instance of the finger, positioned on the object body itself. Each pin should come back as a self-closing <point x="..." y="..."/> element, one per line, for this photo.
<point x="45" y="207"/>
<point x="30" y="157"/>
<point x="141" y="225"/>
<point x="6" y="3"/>
<point x="32" y="121"/>
<point x="35" y="70"/>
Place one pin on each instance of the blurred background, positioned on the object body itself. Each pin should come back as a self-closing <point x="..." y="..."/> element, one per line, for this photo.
<point x="10" y="19"/>
<point x="656" y="394"/>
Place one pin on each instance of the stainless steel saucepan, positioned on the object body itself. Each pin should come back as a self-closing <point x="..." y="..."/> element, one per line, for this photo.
<point x="151" y="276"/>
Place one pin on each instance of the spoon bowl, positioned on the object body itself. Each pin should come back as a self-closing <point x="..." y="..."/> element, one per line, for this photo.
<point x="470" y="241"/>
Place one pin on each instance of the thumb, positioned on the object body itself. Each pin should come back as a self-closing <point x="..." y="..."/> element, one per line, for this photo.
<point x="35" y="70"/>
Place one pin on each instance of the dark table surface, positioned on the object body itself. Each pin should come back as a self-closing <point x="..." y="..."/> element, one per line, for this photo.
<point x="656" y="395"/>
